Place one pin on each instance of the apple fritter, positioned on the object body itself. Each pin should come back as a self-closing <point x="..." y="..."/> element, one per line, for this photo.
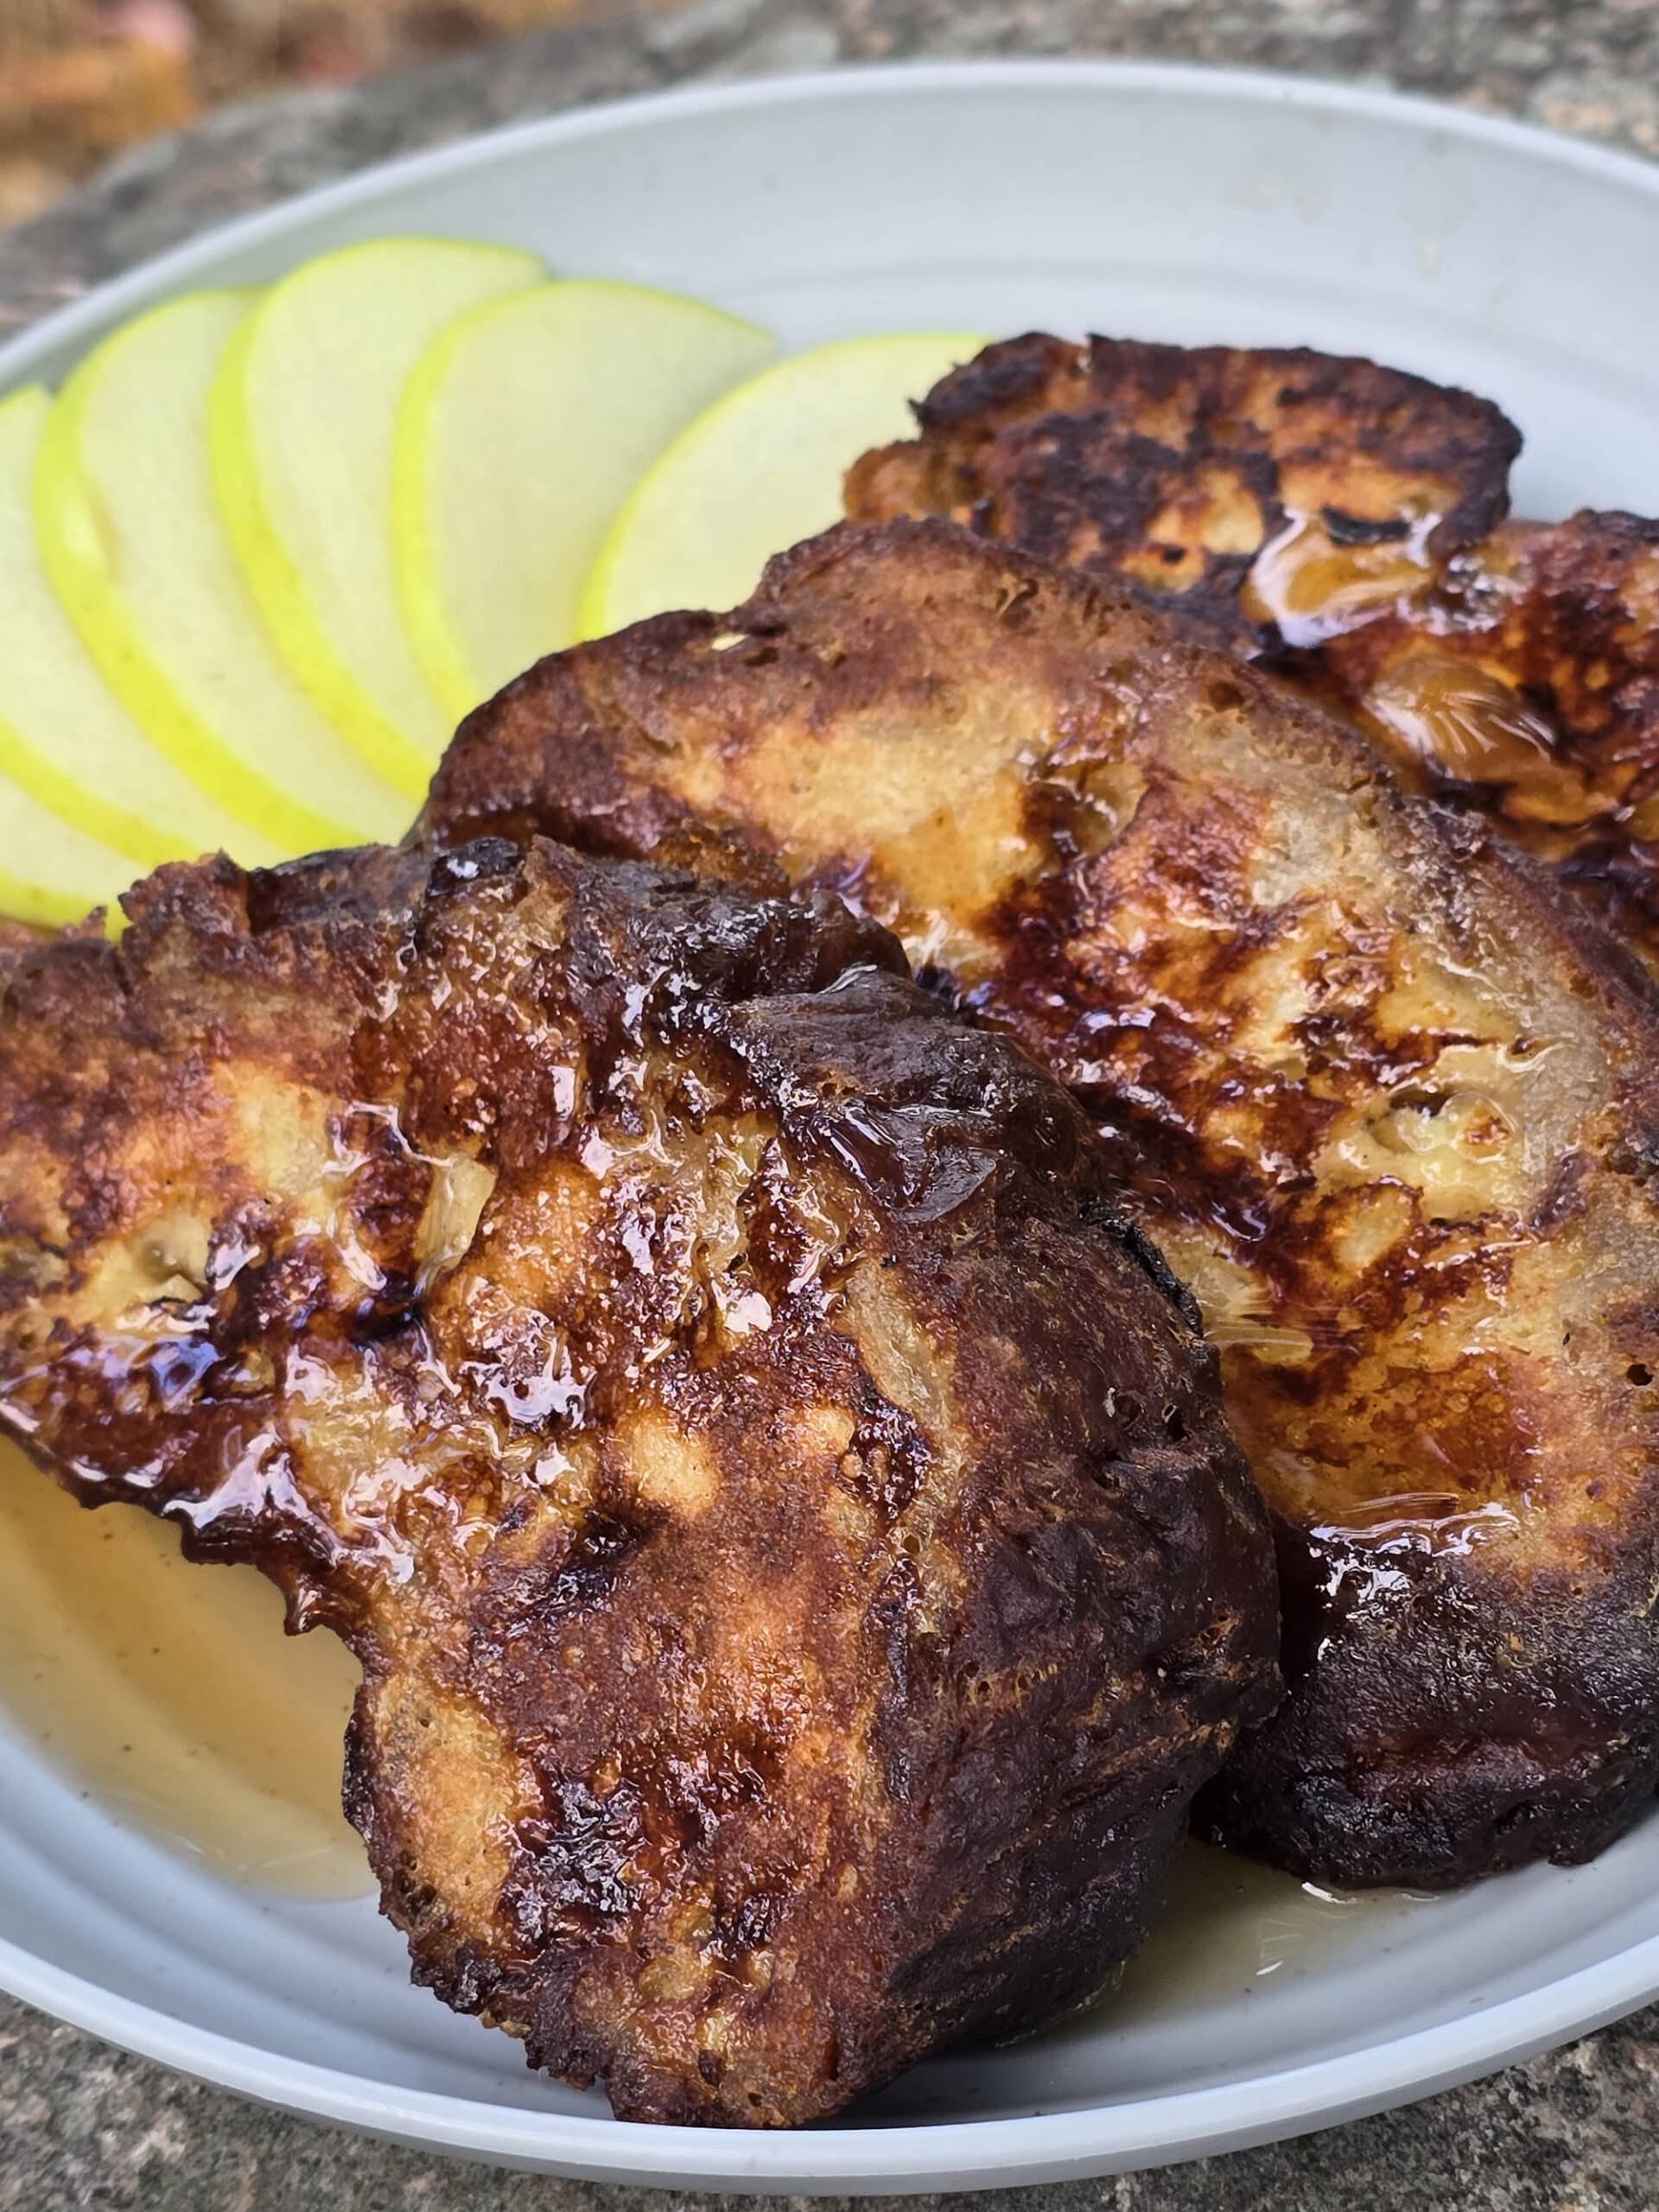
<point x="783" y="1515"/>
<point x="1345" y="520"/>
<point x="1386" y="1100"/>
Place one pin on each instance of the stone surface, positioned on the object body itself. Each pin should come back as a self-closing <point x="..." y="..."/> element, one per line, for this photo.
<point x="1589" y="66"/>
<point x="82" y="2126"/>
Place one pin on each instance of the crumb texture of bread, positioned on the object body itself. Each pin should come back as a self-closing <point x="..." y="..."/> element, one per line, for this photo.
<point x="782" y="1510"/>
<point x="1384" y="1097"/>
<point x="1175" y="466"/>
<point x="1522" y="684"/>
<point x="1345" y="522"/>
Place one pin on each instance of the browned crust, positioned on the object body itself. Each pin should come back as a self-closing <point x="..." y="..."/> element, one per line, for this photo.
<point x="1388" y="1101"/>
<point x="1174" y="466"/>
<point x="1487" y="1707"/>
<point x="1286" y="498"/>
<point x="783" y="1515"/>
<point x="1525" y="686"/>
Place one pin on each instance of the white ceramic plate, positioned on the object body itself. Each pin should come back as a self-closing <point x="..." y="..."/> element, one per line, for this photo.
<point x="1153" y="202"/>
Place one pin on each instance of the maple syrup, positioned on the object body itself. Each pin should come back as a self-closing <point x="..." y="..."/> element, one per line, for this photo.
<point x="1235" y="1926"/>
<point x="1312" y="588"/>
<point x="168" y="1692"/>
<point x="1467" y="724"/>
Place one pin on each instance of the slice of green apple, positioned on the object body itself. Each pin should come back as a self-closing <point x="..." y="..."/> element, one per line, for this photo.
<point x="65" y="738"/>
<point x="50" y="873"/>
<point x="303" y="423"/>
<point x="132" y="541"/>
<point x="523" y="429"/>
<point x="761" y="470"/>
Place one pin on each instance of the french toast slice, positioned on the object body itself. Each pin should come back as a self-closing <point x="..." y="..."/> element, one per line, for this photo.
<point x="1345" y="521"/>
<point x="1386" y="1100"/>
<point x="783" y="1515"/>
<point x="1179" y="467"/>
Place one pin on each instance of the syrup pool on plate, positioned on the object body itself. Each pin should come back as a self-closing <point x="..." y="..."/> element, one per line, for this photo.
<point x="169" y="1693"/>
<point x="1234" y="1929"/>
<point x="1234" y="1925"/>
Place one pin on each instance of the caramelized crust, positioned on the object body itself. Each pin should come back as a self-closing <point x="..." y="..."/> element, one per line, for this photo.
<point x="1524" y="684"/>
<point x="784" y="1515"/>
<point x="1174" y="467"/>
<point x="1345" y="520"/>
<point x="1386" y="1102"/>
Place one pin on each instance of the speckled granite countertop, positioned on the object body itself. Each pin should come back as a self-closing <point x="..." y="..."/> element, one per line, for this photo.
<point x="83" y="2125"/>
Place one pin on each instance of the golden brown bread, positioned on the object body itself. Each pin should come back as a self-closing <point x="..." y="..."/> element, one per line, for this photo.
<point x="1346" y="521"/>
<point x="1386" y="1099"/>
<point x="1524" y="684"/>
<point x="1176" y="466"/>
<point x="784" y="1518"/>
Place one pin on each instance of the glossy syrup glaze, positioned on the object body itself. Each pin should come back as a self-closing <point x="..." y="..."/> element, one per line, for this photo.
<point x="173" y="1700"/>
<point x="1235" y="1929"/>
<point x="1346" y="522"/>
<point x="1517" y="678"/>
<point x="716" y="1397"/>
<point x="1385" y="1107"/>
<point x="1520" y="681"/>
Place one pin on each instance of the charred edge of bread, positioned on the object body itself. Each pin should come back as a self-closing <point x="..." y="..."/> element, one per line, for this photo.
<point x="553" y="740"/>
<point x="735" y="1770"/>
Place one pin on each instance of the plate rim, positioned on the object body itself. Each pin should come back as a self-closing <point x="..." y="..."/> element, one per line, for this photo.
<point x="910" y="2156"/>
<point x="1081" y="2139"/>
<point x="157" y="275"/>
